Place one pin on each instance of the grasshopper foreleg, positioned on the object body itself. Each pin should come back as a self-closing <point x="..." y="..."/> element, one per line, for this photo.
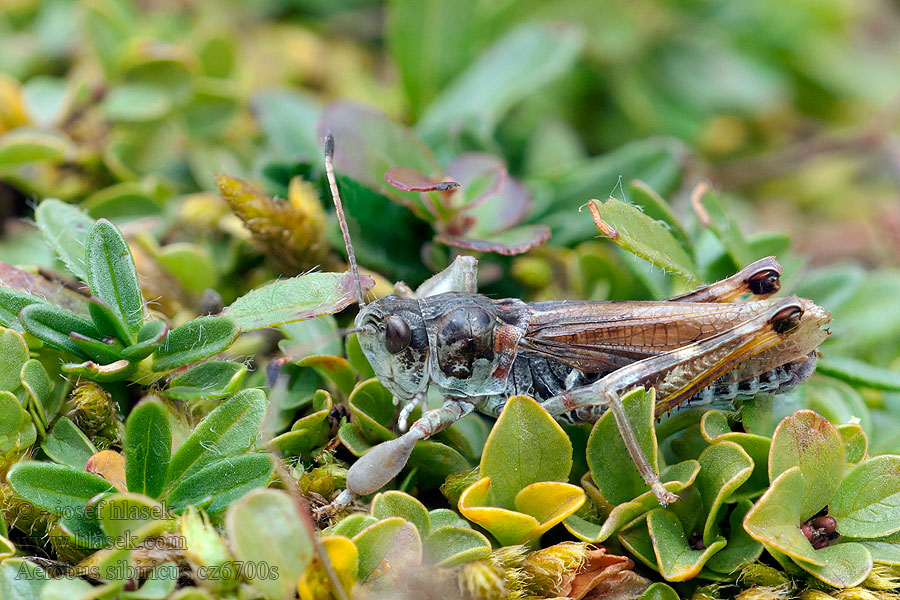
<point x="407" y="410"/>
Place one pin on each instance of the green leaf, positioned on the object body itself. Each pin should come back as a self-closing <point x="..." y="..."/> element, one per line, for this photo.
<point x="193" y="341"/>
<point x="776" y="517"/>
<point x="228" y="430"/>
<point x="25" y="145"/>
<point x="631" y="229"/>
<point x="433" y="461"/>
<point x="335" y="368"/>
<point x="311" y="337"/>
<point x="353" y="524"/>
<point x="17" y="430"/>
<point x="655" y="207"/>
<point x="60" y="489"/>
<point x="14" y="353"/>
<point x="37" y="383"/>
<point x="398" y="504"/>
<point x="287" y="300"/>
<point x="357" y="359"/>
<point x="808" y="441"/>
<point x="125" y="517"/>
<point x="21" y="579"/>
<point x="288" y="120"/>
<point x="611" y="465"/>
<point x="13" y="413"/>
<point x="147" y="448"/>
<point x="65" y="588"/>
<point x="99" y="352"/>
<point x="867" y="503"/>
<point x="393" y="541"/>
<point x="856" y="443"/>
<point x="524" y="60"/>
<point x="724" y="467"/>
<point x="208" y="380"/>
<point x="66" y="228"/>
<point x="675" y="478"/>
<point x="108" y="321"/>
<point x="659" y="591"/>
<point x="757" y="448"/>
<point x="11" y="304"/>
<point x="427" y="52"/>
<point x="525" y="446"/>
<point x="286" y="546"/>
<point x="442" y="517"/>
<point x="150" y="336"/>
<point x="115" y="371"/>
<point x="222" y="481"/>
<point x="67" y="445"/>
<point x="726" y="229"/>
<point x="373" y="409"/>
<point x="450" y="546"/>
<point x="111" y="273"/>
<point x="108" y="28"/>
<point x="741" y="549"/>
<point x="843" y="565"/>
<point x="884" y="550"/>
<point x="136" y="102"/>
<point x="676" y="559"/>
<point x="656" y="161"/>
<point x="857" y="372"/>
<point x="158" y="586"/>
<point x="126" y="201"/>
<point x="52" y="325"/>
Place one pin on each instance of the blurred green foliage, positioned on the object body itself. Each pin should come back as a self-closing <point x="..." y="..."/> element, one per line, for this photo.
<point x="195" y="128"/>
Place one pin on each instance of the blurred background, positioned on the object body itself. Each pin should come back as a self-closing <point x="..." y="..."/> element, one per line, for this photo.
<point x="790" y="104"/>
<point x="788" y="108"/>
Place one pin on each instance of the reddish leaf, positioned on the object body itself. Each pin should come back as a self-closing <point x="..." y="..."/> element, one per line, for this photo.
<point x="407" y="179"/>
<point x="499" y="202"/>
<point x="481" y="176"/>
<point x="603" y="573"/>
<point x="44" y="288"/>
<point x="367" y="144"/>
<point x="510" y="242"/>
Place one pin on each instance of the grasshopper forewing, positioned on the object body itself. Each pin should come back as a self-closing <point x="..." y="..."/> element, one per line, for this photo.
<point x="577" y="358"/>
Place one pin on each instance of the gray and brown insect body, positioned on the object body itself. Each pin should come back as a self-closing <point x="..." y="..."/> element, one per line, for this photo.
<point x="576" y="358"/>
<point x="485" y="351"/>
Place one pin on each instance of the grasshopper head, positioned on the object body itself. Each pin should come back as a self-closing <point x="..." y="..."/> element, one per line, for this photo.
<point x="393" y="337"/>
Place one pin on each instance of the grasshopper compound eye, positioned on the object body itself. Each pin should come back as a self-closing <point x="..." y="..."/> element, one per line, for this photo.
<point x="764" y="283"/>
<point x="396" y="334"/>
<point x="787" y="319"/>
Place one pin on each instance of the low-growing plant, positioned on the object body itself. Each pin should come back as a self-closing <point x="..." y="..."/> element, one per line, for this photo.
<point x="181" y="393"/>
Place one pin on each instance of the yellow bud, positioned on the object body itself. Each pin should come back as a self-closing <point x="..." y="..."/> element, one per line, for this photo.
<point x="765" y="593"/>
<point x="291" y="233"/>
<point x="482" y="580"/>
<point x="815" y="595"/>
<point x="882" y="578"/>
<point x="547" y="568"/>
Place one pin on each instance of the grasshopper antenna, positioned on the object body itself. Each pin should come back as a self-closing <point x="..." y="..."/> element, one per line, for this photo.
<point x="342" y="220"/>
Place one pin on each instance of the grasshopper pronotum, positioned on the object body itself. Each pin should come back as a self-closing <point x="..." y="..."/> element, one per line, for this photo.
<point x="575" y="358"/>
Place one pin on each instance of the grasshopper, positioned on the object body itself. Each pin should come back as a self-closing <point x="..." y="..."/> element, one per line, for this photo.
<point x="576" y="358"/>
